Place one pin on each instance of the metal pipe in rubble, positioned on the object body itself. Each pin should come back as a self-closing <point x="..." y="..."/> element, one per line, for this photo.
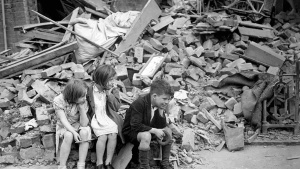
<point x="4" y="24"/>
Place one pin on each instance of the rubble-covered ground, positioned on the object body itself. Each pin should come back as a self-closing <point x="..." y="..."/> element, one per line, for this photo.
<point x="223" y="67"/>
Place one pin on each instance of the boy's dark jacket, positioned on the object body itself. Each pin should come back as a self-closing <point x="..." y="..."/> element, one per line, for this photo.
<point x="138" y="117"/>
<point x="112" y="107"/>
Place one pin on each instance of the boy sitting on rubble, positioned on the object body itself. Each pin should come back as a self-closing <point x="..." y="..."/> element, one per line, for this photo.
<point x="71" y="108"/>
<point x="145" y="119"/>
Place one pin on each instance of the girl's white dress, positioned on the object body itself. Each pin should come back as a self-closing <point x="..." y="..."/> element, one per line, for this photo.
<point x="101" y="123"/>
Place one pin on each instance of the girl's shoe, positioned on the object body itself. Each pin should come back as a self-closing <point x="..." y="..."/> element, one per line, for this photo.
<point x="80" y="165"/>
<point x="101" y="166"/>
<point x="109" y="166"/>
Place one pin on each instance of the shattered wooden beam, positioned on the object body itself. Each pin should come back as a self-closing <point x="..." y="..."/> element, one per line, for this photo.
<point x="99" y="14"/>
<point x="37" y="25"/>
<point x="43" y="35"/>
<point x="151" y="11"/>
<point x="38" y="59"/>
<point x="67" y="33"/>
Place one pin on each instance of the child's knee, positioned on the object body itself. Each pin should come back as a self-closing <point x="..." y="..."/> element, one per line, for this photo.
<point x="68" y="137"/>
<point x="85" y="132"/>
<point x="102" y="138"/>
<point x="112" y="136"/>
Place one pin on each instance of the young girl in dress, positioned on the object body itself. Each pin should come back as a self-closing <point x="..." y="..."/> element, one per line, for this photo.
<point x="105" y="121"/>
<point x="71" y="108"/>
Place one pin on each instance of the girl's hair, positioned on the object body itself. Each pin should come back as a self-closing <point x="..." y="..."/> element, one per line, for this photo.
<point x="102" y="75"/>
<point x="74" y="90"/>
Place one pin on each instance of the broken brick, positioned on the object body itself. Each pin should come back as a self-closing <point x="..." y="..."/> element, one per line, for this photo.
<point x="8" y="159"/>
<point x="51" y="71"/>
<point x="48" y="141"/>
<point x="7" y="94"/>
<point x="139" y="54"/>
<point x="273" y="70"/>
<point x="208" y="44"/>
<point x="179" y="22"/>
<point x="4" y="103"/>
<point x="176" y="72"/>
<point x="236" y="37"/>
<point x="228" y="71"/>
<point x="218" y="101"/>
<point x="67" y="65"/>
<point x="46" y="128"/>
<point x="262" y="68"/>
<point x="237" y="110"/>
<point x="172" y="30"/>
<point x="202" y="117"/>
<point x="136" y="79"/>
<point x="26" y="141"/>
<point x="79" y="72"/>
<point x="31" y="153"/>
<point x="244" y="67"/>
<point x="147" y="47"/>
<point x="25" y="111"/>
<point x="175" y="85"/>
<point x="230" y="103"/>
<point x="39" y="86"/>
<point x="27" y="81"/>
<point x="18" y="128"/>
<point x="42" y="115"/>
<point x="156" y="44"/>
<point x="121" y="71"/>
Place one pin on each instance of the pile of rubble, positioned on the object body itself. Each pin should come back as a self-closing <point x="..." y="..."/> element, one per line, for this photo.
<point x="195" y="53"/>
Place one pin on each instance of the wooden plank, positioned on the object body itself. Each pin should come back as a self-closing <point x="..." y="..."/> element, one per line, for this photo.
<point x="259" y="33"/>
<point x="123" y="158"/>
<point x="99" y="14"/>
<point x="97" y="4"/>
<point x="43" y="35"/>
<point x="5" y="51"/>
<point x="44" y="57"/>
<point x="6" y="58"/>
<point x="254" y="25"/>
<point x="151" y="11"/>
<point x="25" y="45"/>
<point x="67" y="33"/>
<point x="45" y="25"/>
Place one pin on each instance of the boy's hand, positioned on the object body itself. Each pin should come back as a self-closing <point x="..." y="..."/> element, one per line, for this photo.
<point x="77" y="137"/>
<point x="160" y="134"/>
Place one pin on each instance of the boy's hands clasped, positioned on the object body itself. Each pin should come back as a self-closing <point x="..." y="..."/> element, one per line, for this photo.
<point x="159" y="133"/>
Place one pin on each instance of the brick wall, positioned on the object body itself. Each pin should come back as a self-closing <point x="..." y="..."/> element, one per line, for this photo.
<point x="17" y="12"/>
